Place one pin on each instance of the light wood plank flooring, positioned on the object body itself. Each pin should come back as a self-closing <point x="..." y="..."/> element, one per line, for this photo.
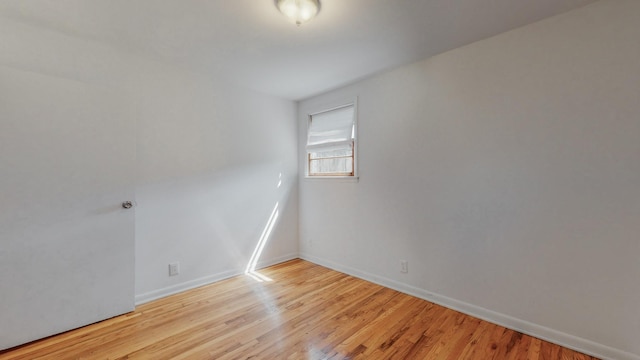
<point x="306" y="311"/>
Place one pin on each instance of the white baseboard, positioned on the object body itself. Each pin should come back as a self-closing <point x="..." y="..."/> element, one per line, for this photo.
<point x="206" y="280"/>
<point x="525" y="327"/>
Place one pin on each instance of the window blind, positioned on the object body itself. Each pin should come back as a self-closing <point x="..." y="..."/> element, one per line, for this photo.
<point x="331" y="130"/>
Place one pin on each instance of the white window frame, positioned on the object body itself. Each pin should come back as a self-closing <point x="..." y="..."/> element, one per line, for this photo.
<point x="335" y="106"/>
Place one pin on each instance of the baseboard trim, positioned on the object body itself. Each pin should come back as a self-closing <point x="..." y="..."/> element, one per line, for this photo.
<point x="205" y="280"/>
<point x="541" y="332"/>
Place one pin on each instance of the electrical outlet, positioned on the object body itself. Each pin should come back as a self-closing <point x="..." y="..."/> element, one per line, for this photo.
<point x="174" y="269"/>
<point x="404" y="266"/>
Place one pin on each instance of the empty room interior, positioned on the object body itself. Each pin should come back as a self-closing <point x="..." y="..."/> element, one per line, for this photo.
<point x="304" y="179"/>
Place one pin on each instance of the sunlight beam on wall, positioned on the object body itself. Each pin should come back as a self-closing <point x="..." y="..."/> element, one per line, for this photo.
<point x="264" y="238"/>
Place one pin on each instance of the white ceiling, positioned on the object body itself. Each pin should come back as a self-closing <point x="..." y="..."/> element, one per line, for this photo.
<point x="250" y="43"/>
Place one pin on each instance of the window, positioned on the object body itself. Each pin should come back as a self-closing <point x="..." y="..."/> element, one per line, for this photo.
<point x="331" y="143"/>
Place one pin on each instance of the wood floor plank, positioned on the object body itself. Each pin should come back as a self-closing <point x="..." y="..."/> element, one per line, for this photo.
<point x="294" y="310"/>
<point x="478" y="335"/>
<point x="534" y="349"/>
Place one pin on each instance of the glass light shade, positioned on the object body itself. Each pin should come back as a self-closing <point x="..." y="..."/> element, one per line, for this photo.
<point x="299" y="11"/>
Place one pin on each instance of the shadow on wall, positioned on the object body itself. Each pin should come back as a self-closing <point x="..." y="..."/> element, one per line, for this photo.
<point x="228" y="222"/>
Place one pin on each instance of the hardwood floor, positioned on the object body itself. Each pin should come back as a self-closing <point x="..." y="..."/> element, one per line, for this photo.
<point x="305" y="312"/>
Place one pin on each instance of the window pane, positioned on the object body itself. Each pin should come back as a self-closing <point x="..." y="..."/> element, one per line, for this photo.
<point x="331" y="153"/>
<point x="331" y="166"/>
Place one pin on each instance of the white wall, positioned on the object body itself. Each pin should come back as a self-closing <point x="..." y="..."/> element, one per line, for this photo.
<point x="213" y="159"/>
<point x="213" y="162"/>
<point x="506" y="172"/>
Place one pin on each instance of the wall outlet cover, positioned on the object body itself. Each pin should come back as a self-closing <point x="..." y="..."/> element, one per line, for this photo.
<point x="174" y="269"/>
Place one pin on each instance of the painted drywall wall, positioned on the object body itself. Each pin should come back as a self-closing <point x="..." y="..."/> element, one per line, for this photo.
<point x="214" y="163"/>
<point x="212" y="160"/>
<point x="506" y="172"/>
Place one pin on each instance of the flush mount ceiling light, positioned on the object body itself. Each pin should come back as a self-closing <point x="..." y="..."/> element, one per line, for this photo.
<point x="299" y="11"/>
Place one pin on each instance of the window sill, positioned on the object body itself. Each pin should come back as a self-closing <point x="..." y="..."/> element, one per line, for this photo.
<point x="332" y="178"/>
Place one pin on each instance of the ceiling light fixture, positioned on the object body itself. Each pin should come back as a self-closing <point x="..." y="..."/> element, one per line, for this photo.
<point x="299" y="11"/>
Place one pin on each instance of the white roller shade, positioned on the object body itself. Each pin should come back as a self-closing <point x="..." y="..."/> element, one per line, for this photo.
<point x="331" y="130"/>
